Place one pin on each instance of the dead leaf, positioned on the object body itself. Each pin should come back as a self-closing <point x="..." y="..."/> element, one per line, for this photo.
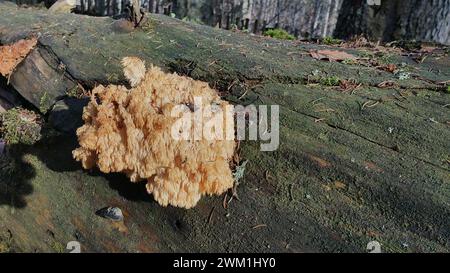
<point x="371" y="166"/>
<point x="120" y="226"/>
<point x="12" y="55"/>
<point x="389" y="68"/>
<point x="339" y="185"/>
<point x="321" y="162"/>
<point x="347" y="85"/>
<point x="428" y="49"/>
<point x="332" y="55"/>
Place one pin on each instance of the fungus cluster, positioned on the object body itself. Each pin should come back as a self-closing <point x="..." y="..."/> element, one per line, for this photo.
<point x="130" y="131"/>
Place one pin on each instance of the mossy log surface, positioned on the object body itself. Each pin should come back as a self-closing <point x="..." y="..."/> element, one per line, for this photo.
<point x="352" y="167"/>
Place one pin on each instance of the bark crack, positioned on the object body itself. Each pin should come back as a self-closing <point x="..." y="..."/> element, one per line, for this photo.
<point x="393" y="149"/>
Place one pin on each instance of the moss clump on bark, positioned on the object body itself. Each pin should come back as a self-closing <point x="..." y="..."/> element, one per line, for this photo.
<point x="20" y="126"/>
<point x="331" y="41"/>
<point x="330" y="81"/>
<point x="279" y="34"/>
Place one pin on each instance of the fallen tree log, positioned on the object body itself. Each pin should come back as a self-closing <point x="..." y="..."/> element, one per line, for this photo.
<point x="352" y="167"/>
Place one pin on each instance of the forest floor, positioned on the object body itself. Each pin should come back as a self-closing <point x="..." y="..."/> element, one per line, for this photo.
<point x="364" y="144"/>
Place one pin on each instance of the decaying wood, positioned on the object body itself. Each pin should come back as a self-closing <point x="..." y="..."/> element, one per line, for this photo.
<point x="41" y="71"/>
<point x="391" y="158"/>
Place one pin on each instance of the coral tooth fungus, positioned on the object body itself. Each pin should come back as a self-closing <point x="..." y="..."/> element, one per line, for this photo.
<point x="129" y="131"/>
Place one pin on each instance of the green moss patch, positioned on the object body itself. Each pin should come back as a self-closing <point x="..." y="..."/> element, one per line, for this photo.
<point x="279" y="34"/>
<point x="20" y="126"/>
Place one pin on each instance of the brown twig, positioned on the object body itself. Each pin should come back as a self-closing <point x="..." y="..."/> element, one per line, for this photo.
<point x="268" y="176"/>
<point x="210" y="215"/>
<point x="367" y="105"/>
<point x="259" y="226"/>
<point x="328" y="110"/>
<point x="225" y="201"/>
<point x="291" y="195"/>
<point x="314" y="101"/>
<point x="245" y="93"/>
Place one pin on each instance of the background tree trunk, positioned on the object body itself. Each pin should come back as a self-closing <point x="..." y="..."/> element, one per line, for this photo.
<point x="351" y="19"/>
<point x="425" y="20"/>
<point x="422" y="20"/>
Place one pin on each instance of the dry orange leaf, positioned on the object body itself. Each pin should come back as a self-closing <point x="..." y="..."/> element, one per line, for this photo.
<point x="332" y="55"/>
<point x="428" y="49"/>
<point x="339" y="185"/>
<point x="389" y="68"/>
<point x="12" y="55"/>
<point x="321" y="162"/>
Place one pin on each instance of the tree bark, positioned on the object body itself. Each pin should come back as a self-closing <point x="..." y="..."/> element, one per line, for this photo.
<point x="351" y="19"/>
<point x="421" y="20"/>
<point x="349" y="165"/>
